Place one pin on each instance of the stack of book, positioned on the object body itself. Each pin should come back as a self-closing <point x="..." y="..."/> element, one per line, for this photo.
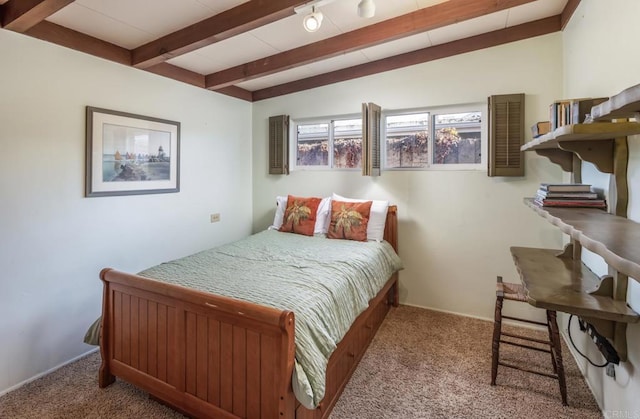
<point x="568" y="195"/>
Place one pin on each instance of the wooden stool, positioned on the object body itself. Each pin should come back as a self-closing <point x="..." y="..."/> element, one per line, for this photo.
<point x="516" y="292"/>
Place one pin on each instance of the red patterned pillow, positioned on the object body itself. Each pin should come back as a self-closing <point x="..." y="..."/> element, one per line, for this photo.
<point x="349" y="220"/>
<point x="300" y="215"/>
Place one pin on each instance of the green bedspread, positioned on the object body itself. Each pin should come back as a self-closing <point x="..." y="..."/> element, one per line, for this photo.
<point x="326" y="283"/>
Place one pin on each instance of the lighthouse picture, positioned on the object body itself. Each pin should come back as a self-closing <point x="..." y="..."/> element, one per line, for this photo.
<point x="131" y="154"/>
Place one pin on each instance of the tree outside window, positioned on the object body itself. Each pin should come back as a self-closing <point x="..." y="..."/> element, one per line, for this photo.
<point x="407" y="141"/>
<point x="457" y="138"/>
<point x="339" y="139"/>
<point x="312" y="145"/>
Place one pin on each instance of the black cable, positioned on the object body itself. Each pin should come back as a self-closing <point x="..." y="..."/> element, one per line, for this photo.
<point x="578" y="350"/>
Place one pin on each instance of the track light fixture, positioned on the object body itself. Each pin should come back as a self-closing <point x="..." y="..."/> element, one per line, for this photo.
<point x="313" y="20"/>
<point x="366" y="8"/>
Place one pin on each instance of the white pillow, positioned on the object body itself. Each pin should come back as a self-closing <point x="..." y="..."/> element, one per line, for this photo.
<point x="377" y="217"/>
<point x="281" y="206"/>
<point x="323" y="215"/>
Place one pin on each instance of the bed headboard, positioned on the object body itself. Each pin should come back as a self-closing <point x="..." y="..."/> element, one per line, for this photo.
<point x="391" y="227"/>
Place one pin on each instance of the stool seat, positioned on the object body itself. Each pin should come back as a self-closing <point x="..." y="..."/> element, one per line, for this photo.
<point x="509" y="291"/>
<point x="517" y="292"/>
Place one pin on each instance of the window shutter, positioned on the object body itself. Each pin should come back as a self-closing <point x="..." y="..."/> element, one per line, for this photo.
<point x="506" y="135"/>
<point x="371" y="118"/>
<point x="279" y="145"/>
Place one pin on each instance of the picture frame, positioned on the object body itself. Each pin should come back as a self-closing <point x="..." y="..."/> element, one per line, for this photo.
<point x="129" y="154"/>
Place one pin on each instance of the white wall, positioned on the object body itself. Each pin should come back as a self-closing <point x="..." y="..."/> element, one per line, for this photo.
<point x="456" y="227"/>
<point x="53" y="241"/>
<point x="601" y="59"/>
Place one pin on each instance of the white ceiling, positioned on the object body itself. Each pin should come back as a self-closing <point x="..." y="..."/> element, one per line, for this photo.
<point x="132" y="23"/>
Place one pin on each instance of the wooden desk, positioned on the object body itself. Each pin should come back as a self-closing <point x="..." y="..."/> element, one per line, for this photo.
<point x="561" y="284"/>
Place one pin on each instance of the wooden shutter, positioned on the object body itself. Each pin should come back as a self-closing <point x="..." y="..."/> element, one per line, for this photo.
<point x="279" y="145"/>
<point x="506" y="135"/>
<point x="371" y="119"/>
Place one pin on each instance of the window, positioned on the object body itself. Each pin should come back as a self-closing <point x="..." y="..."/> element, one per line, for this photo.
<point x="407" y="139"/>
<point x="442" y="138"/>
<point x="347" y="143"/>
<point x="450" y="138"/>
<point x="335" y="143"/>
<point x="313" y="145"/>
<point x="457" y="138"/>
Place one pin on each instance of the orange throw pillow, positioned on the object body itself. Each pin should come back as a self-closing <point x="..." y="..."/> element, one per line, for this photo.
<point x="349" y="220"/>
<point x="300" y="215"/>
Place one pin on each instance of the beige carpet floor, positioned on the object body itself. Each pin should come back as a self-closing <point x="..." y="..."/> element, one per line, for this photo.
<point x="421" y="364"/>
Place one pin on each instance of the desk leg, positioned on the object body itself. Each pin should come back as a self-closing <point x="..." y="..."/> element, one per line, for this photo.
<point x="495" y="345"/>
<point x="557" y="354"/>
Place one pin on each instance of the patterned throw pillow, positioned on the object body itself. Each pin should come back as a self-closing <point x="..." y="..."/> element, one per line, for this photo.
<point x="300" y="215"/>
<point x="349" y="220"/>
<point x="377" y="218"/>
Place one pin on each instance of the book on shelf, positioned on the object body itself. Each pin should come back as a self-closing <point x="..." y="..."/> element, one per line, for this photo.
<point x="540" y="128"/>
<point x="566" y="195"/>
<point x="571" y="203"/>
<point x="559" y="113"/>
<point x="565" y="187"/>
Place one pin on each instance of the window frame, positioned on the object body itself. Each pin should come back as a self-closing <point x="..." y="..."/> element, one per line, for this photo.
<point x="481" y="107"/>
<point x="433" y="111"/>
<point x="293" y="145"/>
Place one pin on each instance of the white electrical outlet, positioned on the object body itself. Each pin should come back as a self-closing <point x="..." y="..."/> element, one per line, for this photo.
<point x="611" y="370"/>
<point x="215" y="217"/>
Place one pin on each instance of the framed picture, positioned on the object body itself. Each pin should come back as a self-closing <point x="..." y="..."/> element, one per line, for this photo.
<point x="131" y="154"/>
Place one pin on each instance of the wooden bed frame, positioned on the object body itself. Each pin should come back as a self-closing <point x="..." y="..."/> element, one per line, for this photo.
<point x="210" y="356"/>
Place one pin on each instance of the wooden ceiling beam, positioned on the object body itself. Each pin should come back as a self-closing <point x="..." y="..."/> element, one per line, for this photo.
<point x="232" y="22"/>
<point x="177" y="73"/>
<point x="422" y="20"/>
<point x="51" y="32"/>
<point x="237" y="92"/>
<point x="196" y="79"/>
<point x="78" y="41"/>
<point x="515" y="33"/>
<point x="21" y="15"/>
<point x="568" y="11"/>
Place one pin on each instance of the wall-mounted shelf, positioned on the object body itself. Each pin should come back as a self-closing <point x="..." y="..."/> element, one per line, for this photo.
<point x="616" y="239"/>
<point x="594" y="143"/>
<point x="625" y="104"/>
<point x="583" y="133"/>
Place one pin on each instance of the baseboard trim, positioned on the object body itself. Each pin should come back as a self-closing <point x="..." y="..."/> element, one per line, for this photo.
<point x="506" y="321"/>
<point x="49" y="371"/>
